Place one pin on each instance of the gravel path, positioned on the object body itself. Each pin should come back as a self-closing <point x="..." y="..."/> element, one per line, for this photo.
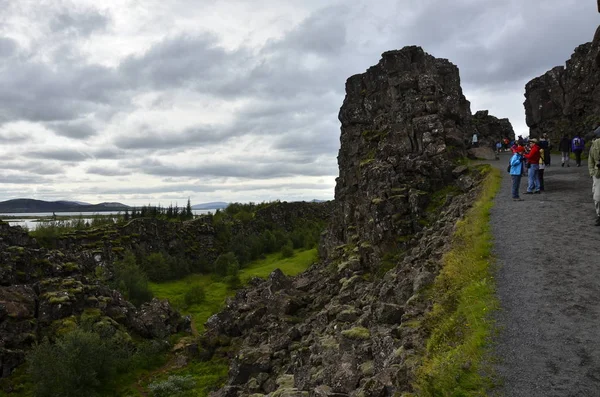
<point x="548" y="279"/>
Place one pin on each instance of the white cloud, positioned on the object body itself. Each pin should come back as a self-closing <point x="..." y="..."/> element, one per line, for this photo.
<point x="234" y="100"/>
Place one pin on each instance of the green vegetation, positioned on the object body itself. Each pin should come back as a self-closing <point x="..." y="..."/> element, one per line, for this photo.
<point x="217" y="289"/>
<point x="79" y="363"/>
<point x="360" y="333"/>
<point x="460" y="324"/>
<point x="131" y="281"/>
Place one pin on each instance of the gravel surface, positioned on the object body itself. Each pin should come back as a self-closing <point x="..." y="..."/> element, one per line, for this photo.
<point x="548" y="282"/>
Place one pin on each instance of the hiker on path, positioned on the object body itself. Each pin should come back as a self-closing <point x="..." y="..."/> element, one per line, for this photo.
<point x="594" y="168"/>
<point x="474" y="140"/>
<point x="565" y="150"/>
<point x="533" y="162"/>
<point x="516" y="171"/>
<point x="545" y="145"/>
<point x="577" y="146"/>
<point x="542" y="163"/>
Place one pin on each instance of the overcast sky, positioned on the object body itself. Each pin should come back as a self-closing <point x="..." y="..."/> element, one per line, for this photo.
<point x="156" y="101"/>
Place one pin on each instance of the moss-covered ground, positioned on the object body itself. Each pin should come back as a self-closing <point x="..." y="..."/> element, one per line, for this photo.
<point x="460" y="324"/>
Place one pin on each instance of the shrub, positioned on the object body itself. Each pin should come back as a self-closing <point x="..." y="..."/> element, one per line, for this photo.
<point x="80" y="363"/>
<point x="194" y="295"/>
<point x="287" y="251"/>
<point x="226" y="265"/>
<point x="131" y="281"/>
<point x="156" y="267"/>
<point x="173" y="386"/>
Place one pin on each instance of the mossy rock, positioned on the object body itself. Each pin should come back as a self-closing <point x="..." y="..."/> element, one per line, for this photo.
<point x="357" y="333"/>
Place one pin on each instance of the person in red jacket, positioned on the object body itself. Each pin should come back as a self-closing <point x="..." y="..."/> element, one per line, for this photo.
<point x="533" y="163"/>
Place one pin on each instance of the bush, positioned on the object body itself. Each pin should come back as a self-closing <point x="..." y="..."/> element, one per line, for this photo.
<point x="172" y="387"/>
<point x="80" y="363"/>
<point x="156" y="267"/>
<point x="131" y="281"/>
<point x="194" y="295"/>
<point x="287" y="251"/>
<point x="226" y="265"/>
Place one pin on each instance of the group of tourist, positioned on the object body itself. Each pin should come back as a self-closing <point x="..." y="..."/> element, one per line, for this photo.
<point x="533" y="156"/>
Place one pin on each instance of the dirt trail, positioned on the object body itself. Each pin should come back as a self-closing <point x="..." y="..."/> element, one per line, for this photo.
<point x="548" y="279"/>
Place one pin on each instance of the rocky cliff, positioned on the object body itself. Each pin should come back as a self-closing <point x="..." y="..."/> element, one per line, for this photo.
<point x="566" y="99"/>
<point x="492" y="129"/>
<point x="352" y="324"/>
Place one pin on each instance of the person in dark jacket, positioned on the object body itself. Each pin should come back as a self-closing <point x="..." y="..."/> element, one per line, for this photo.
<point x="577" y="147"/>
<point x="564" y="147"/>
<point x="544" y="144"/>
<point x="533" y="161"/>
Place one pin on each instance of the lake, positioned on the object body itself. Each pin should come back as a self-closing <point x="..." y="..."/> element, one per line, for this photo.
<point x="17" y="218"/>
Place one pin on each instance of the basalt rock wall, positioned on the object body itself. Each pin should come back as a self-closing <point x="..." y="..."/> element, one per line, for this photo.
<point x="491" y="129"/>
<point x="566" y="99"/>
<point x="351" y="325"/>
<point x="404" y="122"/>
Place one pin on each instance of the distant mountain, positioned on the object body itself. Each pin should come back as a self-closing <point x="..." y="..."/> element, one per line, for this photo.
<point x="31" y="205"/>
<point x="210" y="206"/>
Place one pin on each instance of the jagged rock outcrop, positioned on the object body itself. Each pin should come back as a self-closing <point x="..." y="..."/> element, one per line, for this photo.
<point x="43" y="292"/>
<point x="491" y="129"/>
<point x="566" y="99"/>
<point x="352" y="324"/>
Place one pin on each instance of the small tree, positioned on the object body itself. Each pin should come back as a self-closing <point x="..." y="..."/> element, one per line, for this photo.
<point x="188" y="210"/>
<point x="131" y="281"/>
<point x="226" y="265"/>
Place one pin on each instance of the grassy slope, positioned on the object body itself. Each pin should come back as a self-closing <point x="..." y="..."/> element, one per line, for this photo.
<point x="210" y="374"/>
<point x="217" y="291"/>
<point x="460" y="323"/>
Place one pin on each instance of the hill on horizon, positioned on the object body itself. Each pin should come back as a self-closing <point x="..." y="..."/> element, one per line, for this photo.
<point x="31" y="205"/>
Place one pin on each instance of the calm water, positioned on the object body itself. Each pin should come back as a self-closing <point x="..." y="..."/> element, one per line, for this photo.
<point x="32" y="223"/>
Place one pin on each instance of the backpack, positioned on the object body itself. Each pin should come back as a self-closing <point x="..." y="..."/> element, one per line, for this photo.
<point x="576" y="141"/>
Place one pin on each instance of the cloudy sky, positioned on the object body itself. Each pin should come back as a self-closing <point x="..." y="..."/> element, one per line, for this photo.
<point x="154" y="101"/>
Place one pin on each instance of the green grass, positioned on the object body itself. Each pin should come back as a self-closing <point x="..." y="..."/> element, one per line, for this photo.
<point x="217" y="291"/>
<point x="211" y="374"/>
<point x="460" y="324"/>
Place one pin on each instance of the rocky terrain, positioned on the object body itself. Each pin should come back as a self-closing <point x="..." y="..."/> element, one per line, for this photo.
<point x="352" y="325"/>
<point x="566" y="99"/>
<point x="44" y="292"/>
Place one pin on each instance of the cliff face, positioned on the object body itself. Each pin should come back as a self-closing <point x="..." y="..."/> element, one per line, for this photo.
<point x="351" y="324"/>
<point x="403" y="123"/>
<point x="492" y="129"/>
<point x="566" y="99"/>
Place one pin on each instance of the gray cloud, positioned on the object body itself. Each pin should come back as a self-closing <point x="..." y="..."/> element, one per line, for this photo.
<point x="241" y="169"/>
<point x="58" y="154"/>
<point x="82" y="22"/>
<point x="14" y="137"/>
<point x="107" y="171"/>
<point x="179" y="60"/>
<point x="150" y="139"/>
<point x="7" y="47"/>
<point x="22" y="179"/>
<point x="107" y="153"/>
<point x="72" y="129"/>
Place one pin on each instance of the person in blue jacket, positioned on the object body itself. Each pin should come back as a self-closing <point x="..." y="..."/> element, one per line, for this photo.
<point x="516" y="171"/>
